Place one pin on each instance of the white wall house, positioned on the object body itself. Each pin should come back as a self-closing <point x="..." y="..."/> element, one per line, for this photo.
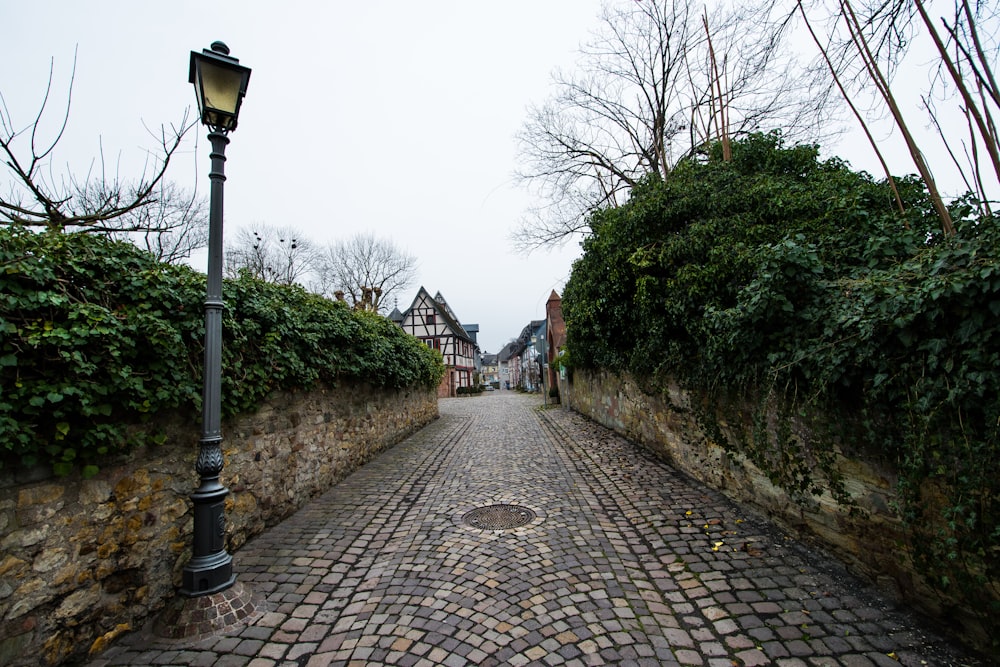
<point x="432" y="321"/>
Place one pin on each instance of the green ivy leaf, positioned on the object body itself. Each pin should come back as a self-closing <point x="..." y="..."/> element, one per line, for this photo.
<point x="111" y="336"/>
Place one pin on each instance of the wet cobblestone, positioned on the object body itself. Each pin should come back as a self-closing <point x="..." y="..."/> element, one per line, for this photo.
<point x="626" y="561"/>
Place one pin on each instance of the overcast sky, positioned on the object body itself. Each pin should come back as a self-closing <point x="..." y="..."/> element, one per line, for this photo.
<point x="392" y="117"/>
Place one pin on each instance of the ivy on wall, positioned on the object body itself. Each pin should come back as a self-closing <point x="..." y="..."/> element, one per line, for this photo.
<point x="778" y="275"/>
<point x="96" y="335"/>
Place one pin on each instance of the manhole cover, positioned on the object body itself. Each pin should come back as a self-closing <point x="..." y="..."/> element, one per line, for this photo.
<point x="498" y="517"/>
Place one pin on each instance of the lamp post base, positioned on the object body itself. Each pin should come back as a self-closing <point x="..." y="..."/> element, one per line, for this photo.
<point x="193" y="617"/>
<point x="207" y="575"/>
<point x="210" y="569"/>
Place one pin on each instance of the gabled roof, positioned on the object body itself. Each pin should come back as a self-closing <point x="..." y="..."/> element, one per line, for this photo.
<point x="533" y="328"/>
<point x="508" y="351"/>
<point x="523" y="341"/>
<point x="444" y="304"/>
<point x="442" y="310"/>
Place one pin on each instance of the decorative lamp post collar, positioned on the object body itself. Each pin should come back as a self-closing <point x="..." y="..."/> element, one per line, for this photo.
<point x="220" y="83"/>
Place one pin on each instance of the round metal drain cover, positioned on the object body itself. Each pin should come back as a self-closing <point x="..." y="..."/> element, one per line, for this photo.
<point x="498" y="517"/>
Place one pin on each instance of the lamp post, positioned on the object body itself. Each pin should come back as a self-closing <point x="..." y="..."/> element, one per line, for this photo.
<point x="220" y="83"/>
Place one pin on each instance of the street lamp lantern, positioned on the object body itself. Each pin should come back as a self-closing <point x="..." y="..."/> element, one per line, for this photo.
<point x="220" y="83"/>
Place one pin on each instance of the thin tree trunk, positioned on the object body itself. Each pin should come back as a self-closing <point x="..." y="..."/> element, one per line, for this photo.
<point x="861" y="44"/>
<point x="987" y="74"/>
<point x="857" y="114"/>
<point x="970" y="102"/>
<point x="973" y="159"/>
<point x="722" y="123"/>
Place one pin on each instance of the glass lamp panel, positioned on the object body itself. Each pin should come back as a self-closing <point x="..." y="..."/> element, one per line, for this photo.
<point x="220" y="88"/>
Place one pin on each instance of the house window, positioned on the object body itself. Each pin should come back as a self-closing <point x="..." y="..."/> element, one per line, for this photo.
<point x="429" y="319"/>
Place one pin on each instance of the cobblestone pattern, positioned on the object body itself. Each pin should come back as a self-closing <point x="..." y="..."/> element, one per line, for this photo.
<point x="625" y="562"/>
<point x="80" y="559"/>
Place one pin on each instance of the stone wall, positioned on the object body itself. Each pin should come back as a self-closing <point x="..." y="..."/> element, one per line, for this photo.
<point x="84" y="560"/>
<point x="869" y="541"/>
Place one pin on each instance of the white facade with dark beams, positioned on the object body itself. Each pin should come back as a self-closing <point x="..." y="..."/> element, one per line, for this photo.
<point x="432" y="321"/>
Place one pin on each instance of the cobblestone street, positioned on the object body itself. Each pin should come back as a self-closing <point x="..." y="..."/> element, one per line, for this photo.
<point x="619" y="560"/>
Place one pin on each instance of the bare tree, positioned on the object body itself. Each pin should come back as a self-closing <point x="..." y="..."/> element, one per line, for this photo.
<point x="171" y="225"/>
<point x="866" y="44"/>
<point x="966" y="67"/>
<point x="656" y="83"/>
<point x="367" y="270"/>
<point x="275" y="254"/>
<point x="100" y="202"/>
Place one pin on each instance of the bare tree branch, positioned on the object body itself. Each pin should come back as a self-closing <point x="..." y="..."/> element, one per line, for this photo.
<point x="171" y="226"/>
<point x="365" y="269"/>
<point x="853" y="107"/>
<point x="959" y="82"/>
<point x="872" y="39"/>
<point x="35" y="198"/>
<point x="650" y="88"/>
<point x="279" y="255"/>
<point x="881" y="83"/>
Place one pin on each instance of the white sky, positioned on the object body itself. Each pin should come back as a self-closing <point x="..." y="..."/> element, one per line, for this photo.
<point x="393" y="117"/>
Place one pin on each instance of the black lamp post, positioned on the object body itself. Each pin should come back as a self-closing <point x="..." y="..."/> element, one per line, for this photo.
<point x="220" y="83"/>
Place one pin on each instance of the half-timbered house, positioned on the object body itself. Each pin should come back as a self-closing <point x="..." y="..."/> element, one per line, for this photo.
<point x="432" y="321"/>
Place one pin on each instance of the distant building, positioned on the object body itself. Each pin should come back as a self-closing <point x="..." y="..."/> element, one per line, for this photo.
<point x="506" y="367"/>
<point x="528" y="362"/>
<point x="521" y="360"/>
<point x="490" y="370"/>
<point x="432" y="321"/>
<point x="555" y="337"/>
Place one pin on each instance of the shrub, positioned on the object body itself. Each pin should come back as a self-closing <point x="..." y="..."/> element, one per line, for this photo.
<point x="779" y="274"/>
<point x="96" y="335"/>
